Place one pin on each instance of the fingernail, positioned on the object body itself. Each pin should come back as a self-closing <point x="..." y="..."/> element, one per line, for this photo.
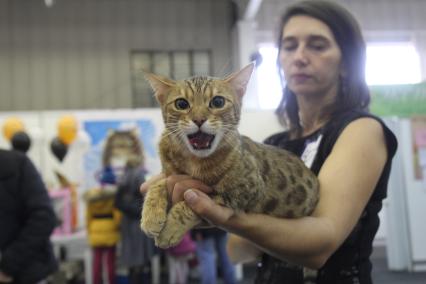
<point x="190" y="196"/>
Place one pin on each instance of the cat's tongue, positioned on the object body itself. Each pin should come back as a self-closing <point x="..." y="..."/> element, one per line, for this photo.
<point x="200" y="140"/>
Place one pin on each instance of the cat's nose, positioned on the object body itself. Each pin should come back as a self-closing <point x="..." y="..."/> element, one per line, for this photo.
<point x="199" y="122"/>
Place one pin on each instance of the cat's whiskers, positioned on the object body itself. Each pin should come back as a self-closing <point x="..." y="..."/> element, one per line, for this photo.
<point x="229" y="129"/>
<point x="232" y="139"/>
<point x="174" y="132"/>
<point x="171" y="125"/>
<point x="172" y="129"/>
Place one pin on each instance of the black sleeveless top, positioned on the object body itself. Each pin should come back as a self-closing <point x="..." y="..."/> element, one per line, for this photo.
<point x="350" y="264"/>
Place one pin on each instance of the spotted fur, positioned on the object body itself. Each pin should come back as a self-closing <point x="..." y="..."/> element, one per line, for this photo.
<point x="245" y="175"/>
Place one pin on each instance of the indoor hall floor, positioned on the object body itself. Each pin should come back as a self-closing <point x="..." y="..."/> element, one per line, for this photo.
<point x="381" y="274"/>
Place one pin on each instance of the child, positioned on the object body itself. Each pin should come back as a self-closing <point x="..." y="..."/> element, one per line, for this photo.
<point x="102" y="221"/>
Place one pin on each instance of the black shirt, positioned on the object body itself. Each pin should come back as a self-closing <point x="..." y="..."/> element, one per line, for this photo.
<point x="350" y="263"/>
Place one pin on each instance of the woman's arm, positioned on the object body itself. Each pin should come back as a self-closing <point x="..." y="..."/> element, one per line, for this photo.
<point x="347" y="180"/>
<point x="241" y="250"/>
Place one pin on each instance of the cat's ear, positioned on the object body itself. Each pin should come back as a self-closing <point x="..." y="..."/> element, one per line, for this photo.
<point x="240" y="79"/>
<point x="159" y="84"/>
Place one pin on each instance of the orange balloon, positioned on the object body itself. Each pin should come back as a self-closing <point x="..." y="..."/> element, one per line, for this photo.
<point x="67" y="129"/>
<point x="11" y="126"/>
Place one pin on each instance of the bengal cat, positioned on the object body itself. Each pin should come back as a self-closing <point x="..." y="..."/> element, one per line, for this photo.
<point x="201" y="139"/>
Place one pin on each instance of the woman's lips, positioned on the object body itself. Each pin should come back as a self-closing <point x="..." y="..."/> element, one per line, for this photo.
<point x="300" y="78"/>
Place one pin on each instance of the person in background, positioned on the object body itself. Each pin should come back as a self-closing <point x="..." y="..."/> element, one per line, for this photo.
<point x="27" y="220"/>
<point x="324" y="108"/>
<point x="178" y="258"/>
<point x="102" y="222"/>
<point x="211" y="251"/>
<point x="137" y="249"/>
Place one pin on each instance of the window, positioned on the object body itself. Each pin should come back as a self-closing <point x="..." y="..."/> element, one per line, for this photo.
<point x="387" y="64"/>
<point x="392" y="64"/>
<point x="268" y="81"/>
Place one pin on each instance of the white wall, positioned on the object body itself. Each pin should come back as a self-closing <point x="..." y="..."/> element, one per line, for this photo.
<point x="405" y="206"/>
<point x="416" y="197"/>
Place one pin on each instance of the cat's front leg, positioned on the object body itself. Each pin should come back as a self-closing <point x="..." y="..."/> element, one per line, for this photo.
<point x="154" y="212"/>
<point x="180" y="219"/>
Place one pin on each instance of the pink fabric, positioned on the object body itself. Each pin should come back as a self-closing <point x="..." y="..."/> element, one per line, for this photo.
<point x="61" y="199"/>
<point x="186" y="246"/>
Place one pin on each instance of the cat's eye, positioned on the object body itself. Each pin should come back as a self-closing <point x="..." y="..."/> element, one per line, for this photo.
<point x="181" y="104"/>
<point x="217" y="102"/>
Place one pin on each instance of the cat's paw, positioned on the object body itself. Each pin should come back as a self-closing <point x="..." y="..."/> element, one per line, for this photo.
<point x="154" y="210"/>
<point x="169" y="236"/>
<point x="153" y="222"/>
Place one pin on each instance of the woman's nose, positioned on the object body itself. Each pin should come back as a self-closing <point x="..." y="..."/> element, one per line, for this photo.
<point x="300" y="57"/>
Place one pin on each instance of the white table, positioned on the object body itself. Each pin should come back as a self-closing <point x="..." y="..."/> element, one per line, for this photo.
<point x="76" y="248"/>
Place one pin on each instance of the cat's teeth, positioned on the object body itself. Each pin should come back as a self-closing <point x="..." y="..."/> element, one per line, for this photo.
<point x="201" y="140"/>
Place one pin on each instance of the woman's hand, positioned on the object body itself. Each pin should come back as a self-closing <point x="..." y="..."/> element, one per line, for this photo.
<point x="146" y="185"/>
<point x="195" y="194"/>
<point x="207" y="209"/>
<point x="176" y="185"/>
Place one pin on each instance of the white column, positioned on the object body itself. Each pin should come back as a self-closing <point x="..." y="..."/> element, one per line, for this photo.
<point x="420" y="43"/>
<point x="246" y="32"/>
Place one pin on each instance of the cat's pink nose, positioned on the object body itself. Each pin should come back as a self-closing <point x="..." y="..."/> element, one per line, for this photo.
<point x="199" y="122"/>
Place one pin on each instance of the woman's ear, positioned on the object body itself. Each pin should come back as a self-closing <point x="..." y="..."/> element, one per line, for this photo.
<point x="343" y="71"/>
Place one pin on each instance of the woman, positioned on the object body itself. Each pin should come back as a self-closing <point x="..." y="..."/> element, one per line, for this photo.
<point x="137" y="249"/>
<point x="325" y="109"/>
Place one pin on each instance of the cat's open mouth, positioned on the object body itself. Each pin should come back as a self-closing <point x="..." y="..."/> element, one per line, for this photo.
<point x="201" y="140"/>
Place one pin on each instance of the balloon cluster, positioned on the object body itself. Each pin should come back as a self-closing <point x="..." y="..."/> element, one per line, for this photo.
<point x="14" y="131"/>
<point x="67" y="128"/>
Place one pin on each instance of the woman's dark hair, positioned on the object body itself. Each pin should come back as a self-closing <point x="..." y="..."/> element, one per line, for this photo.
<point x="353" y="90"/>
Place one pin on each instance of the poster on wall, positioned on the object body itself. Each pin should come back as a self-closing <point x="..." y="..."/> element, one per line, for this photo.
<point x="418" y="130"/>
<point x="101" y="164"/>
<point x="398" y="100"/>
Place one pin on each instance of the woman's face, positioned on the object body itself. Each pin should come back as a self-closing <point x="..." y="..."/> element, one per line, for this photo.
<point x="310" y="57"/>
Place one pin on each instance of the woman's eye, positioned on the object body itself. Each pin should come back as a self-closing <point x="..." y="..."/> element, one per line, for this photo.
<point x="318" y="47"/>
<point x="217" y="102"/>
<point x="288" y="47"/>
<point x="181" y="104"/>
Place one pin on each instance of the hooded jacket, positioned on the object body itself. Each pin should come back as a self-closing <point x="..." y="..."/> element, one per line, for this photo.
<point x="27" y="220"/>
